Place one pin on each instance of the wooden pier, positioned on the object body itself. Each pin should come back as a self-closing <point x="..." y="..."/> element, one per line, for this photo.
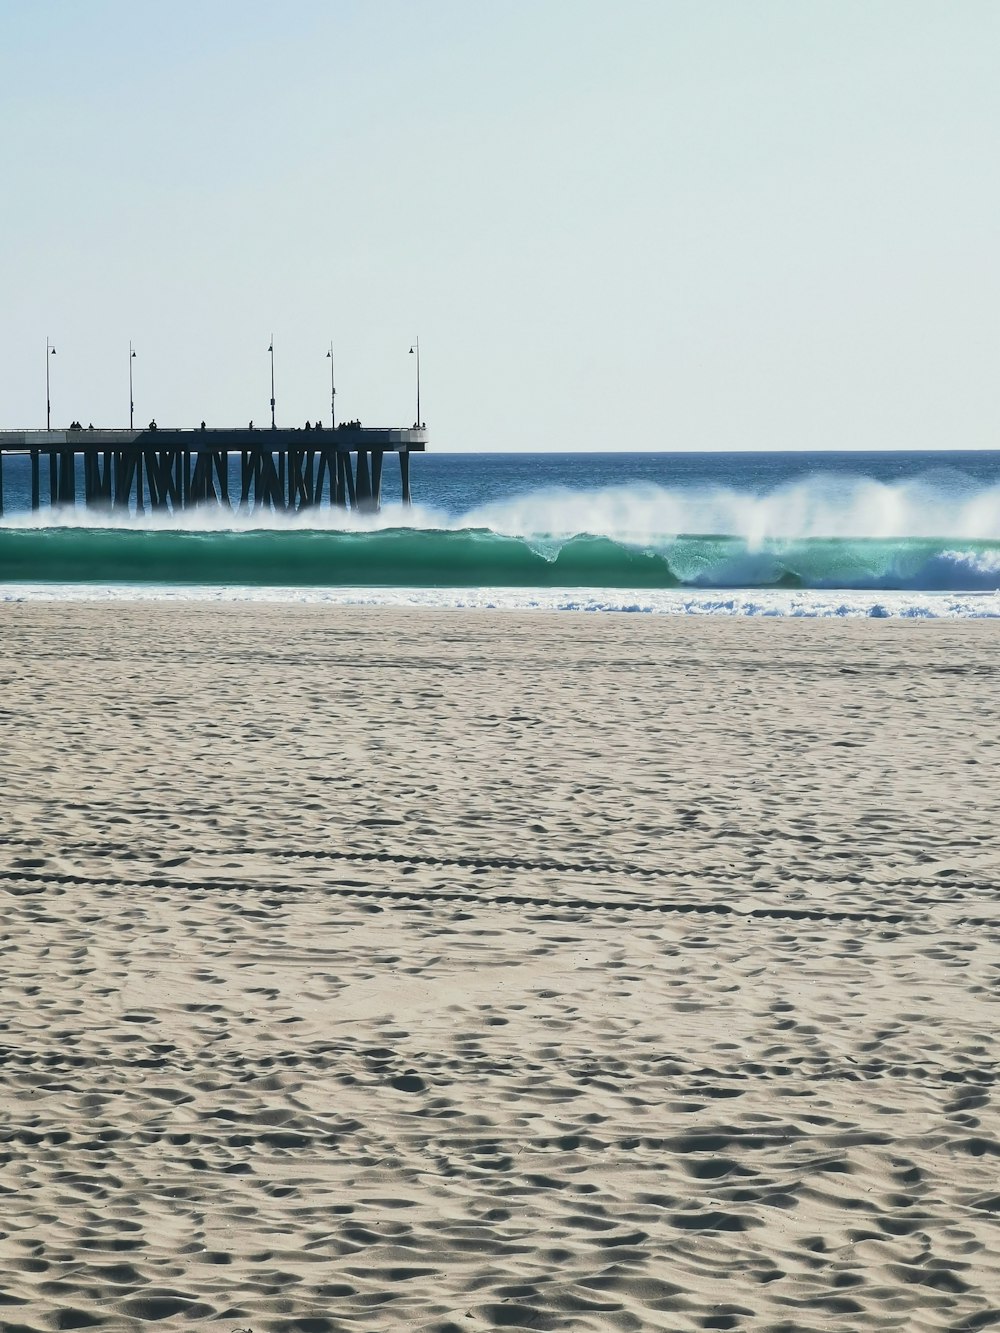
<point x="161" y="469"/>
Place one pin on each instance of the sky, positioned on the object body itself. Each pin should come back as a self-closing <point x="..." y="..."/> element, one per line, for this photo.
<point x="646" y="224"/>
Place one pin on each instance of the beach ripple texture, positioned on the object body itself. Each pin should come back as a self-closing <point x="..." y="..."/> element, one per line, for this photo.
<point x="416" y="973"/>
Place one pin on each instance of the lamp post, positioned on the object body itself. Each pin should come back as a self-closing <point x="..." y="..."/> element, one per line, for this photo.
<point x="333" y="391"/>
<point x="131" y="401"/>
<point x="416" y="349"/>
<point x="49" y="351"/>
<point x="271" y="350"/>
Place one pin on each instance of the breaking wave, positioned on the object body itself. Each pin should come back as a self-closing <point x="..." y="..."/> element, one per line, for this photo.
<point x="469" y="558"/>
<point x="822" y="533"/>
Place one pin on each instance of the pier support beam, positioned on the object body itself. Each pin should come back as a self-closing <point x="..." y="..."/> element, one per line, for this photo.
<point x="67" y="477"/>
<point x="222" y="470"/>
<point x="119" y="492"/>
<point x="345" y="482"/>
<point x="404" y="475"/>
<point x="157" y="496"/>
<point x="96" y="483"/>
<point x="270" y="485"/>
<point x="363" y="487"/>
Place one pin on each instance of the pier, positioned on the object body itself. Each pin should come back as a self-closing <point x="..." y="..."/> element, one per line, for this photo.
<point x="163" y="469"/>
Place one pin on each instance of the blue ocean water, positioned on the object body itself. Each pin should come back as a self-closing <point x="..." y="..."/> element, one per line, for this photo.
<point x="779" y="533"/>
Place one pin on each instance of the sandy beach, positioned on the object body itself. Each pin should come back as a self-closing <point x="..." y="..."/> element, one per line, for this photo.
<point x="390" y="970"/>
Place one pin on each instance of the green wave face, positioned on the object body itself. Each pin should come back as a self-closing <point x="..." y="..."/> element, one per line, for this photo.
<point x="420" y="558"/>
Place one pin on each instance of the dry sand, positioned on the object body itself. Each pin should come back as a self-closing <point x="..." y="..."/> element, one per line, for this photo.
<point x="373" y="970"/>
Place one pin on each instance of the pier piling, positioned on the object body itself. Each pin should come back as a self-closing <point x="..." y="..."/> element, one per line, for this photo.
<point x="170" y="470"/>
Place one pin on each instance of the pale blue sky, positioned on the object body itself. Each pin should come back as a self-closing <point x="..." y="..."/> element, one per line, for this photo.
<point x="669" y="224"/>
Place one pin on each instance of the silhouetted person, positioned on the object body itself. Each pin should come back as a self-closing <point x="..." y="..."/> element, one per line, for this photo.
<point x="152" y="425"/>
<point x="308" y="427"/>
<point x="250" y="427"/>
<point x="203" y="425"/>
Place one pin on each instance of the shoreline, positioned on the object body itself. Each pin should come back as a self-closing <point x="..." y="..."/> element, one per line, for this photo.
<point x="390" y="967"/>
<point x="752" y="603"/>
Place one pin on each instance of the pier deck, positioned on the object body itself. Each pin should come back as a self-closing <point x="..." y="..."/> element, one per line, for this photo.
<point x="162" y="468"/>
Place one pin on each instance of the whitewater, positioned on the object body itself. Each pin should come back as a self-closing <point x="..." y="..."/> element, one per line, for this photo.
<point x="837" y="540"/>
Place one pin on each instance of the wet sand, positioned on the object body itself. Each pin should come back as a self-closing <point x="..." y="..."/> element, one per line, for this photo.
<point x="386" y="970"/>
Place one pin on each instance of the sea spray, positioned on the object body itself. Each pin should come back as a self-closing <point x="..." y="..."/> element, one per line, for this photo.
<point x="823" y="505"/>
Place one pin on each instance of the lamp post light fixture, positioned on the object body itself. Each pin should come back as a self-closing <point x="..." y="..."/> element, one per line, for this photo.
<point x="49" y="351"/>
<point x="333" y="391"/>
<point x="415" y="349"/>
<point x="271" y="350"/>
<point x="131" y="400"/>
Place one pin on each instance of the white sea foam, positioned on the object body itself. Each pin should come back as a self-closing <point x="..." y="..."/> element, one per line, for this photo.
<point x="804" y="604"/>
<point x="820" y="506"/>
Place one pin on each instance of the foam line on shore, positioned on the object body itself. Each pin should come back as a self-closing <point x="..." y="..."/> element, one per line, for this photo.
<point x="759" y="603"/>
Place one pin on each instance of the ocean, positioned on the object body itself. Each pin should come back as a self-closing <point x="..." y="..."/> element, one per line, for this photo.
<point x="833" y="534"/>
